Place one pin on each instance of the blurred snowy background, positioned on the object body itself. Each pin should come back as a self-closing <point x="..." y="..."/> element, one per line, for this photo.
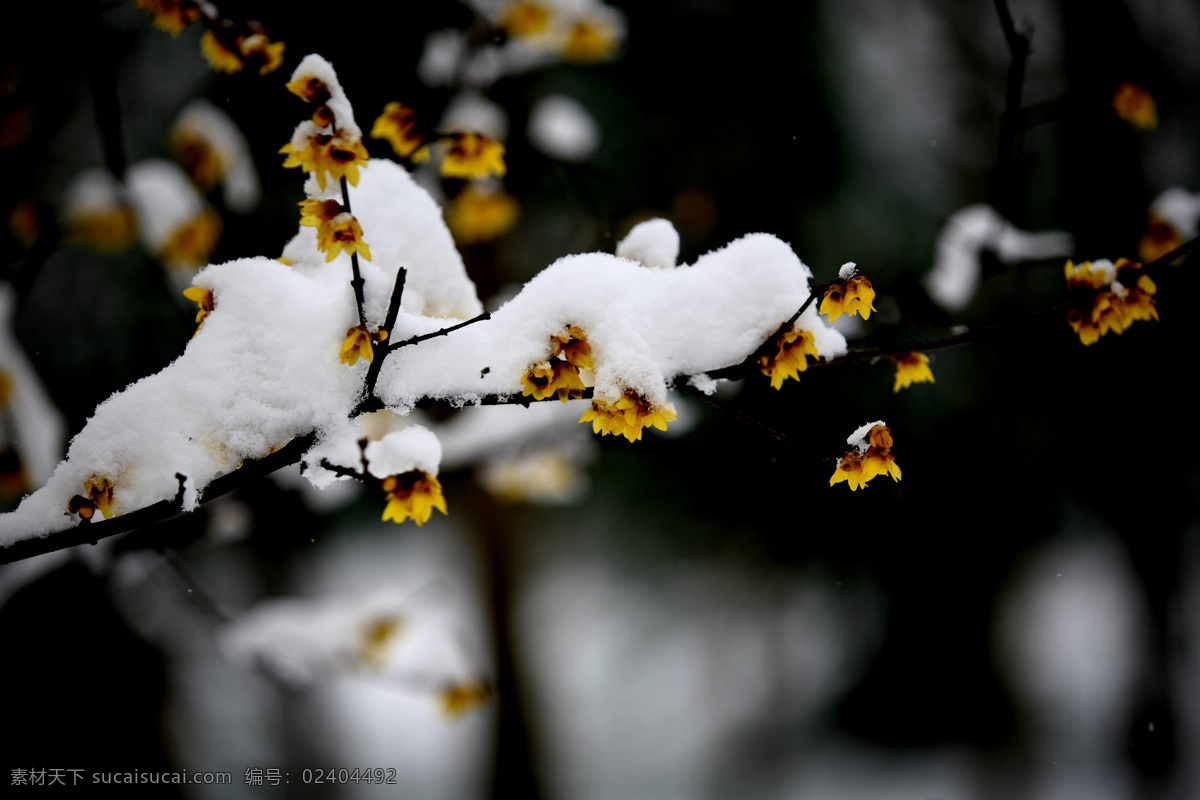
<point x="697" y="615"/>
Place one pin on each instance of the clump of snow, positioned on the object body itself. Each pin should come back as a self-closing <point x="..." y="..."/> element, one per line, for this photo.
<point x="210" y="124"/>
<point x="847" y="270"/>
<point x="92" y="191"/>
<point x="262" y="370"/>
<point x="164" y="200"/>
<point x="704" y="383"/>
<point x="858" y="440"/>
<point x="957" y="269"/>
<point x="469" y="110"/>
<point x="37" y="430"/>
<point x="302" y="640"/>
<point x="314" y="66"/>
<point x="1179" y="208"/>
<point x="645" y="327"/>
<point x="654" y="243"/>
<point x="404" y="227"/>
<point x="413" y="448"/>
<point x="562" y="128"/>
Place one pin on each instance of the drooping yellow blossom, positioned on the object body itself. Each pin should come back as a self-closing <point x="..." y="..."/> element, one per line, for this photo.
<point x="854" y="296"/>
<point x="911" y="368"/>
<point x="474" y="215"/>
<point x="357" y="344"/>
<point x="878" y="459"/>
<point x="858" y="467"/>
<point x="220" y="57"/>
<point x="193" y="242"/>
<point x="550" y="378"/>
<point x="1159" y="239"/>
<point x="379" y="637"/>
<point x="627" y="416"/>
<point x="324" y="153"/>
<point x="202" y="298"/>
<point x="525" y="18"/>
<point x="790" y="358"/>
<point x="412" y="494"/>
<point x="310" y="90"/>
<point x="1084" y="274"/>
<point x="473" y="155"/>
<point x="199" y="159"/>
<point x="171" y="16"/>
<point x="345" y="235"/>
<point x="590" y="39"/>
<point x="458" y="699"/>
<point x="320" y="214"/>
<point x="1108" y="298"/>
<point x="252" y="48"/>
<point x="107" y="230"/>
<point x="849" y="469"/>
<point x="100" y="492"/>
<point x="398" y="125"/>
<point x="1135" y="106"/>
<point x="571" y="344"/>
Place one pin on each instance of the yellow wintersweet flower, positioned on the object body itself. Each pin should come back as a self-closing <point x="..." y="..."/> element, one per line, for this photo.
<point x="398" y="125"/>
<point x="849" y="469"/>
<point x="525" y="18"/>
<point x="193" y="242"/>
<point x="791" y="357"/>
<point x="1084" y="275"/>
<point x="320" y="214"/>
<point x="858" y="467"/>
<point x="854" y="296"/>
<point x="550" y="378"/>
<point x="590" y="39"/>
<point x="412" y="494"/>
<point x="1103" y="303"/>
<point x="1159" y="239"/>
<point x="100" y="492"/>
<point x="473" y="155"/>
<point x="627" y="416"/>
<point x="231" y="52"/>
<point x="199" y="159"/>
<point x="311" y="90"/>
<point x="324" y="153"/>
<point x="202" y="298"/>
<point x="1139" y="303"/>
<point x="345" y="234"/>
<point x="1135" y="106"/>
<point x="171" y="16"/>
<point x="107" y="230"/>
<point x="571" y="344"/>
<point x="457" y="699"/>
<point x="911" y="368"/>
<point x="357" y="344"/>
<point x="219" y="56"/>
<point x="379" y="637"/>
<point x="478" y="216"/>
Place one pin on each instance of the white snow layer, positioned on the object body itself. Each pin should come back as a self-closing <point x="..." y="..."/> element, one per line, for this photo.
<point x="645" y="326"/>
<point x="654" y="243"/>
<point x="562" y="128"/>
<point x="957" y="269"/>
<point x="265" y="368"/>
<point x="1180" y="208"/>
<point x="210" y="124"/>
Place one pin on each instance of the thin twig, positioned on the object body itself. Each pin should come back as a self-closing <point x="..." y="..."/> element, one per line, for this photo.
<point x="357" y="282"/>
<point x="1011" y="126"/>
<point x="389" y="325"/>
